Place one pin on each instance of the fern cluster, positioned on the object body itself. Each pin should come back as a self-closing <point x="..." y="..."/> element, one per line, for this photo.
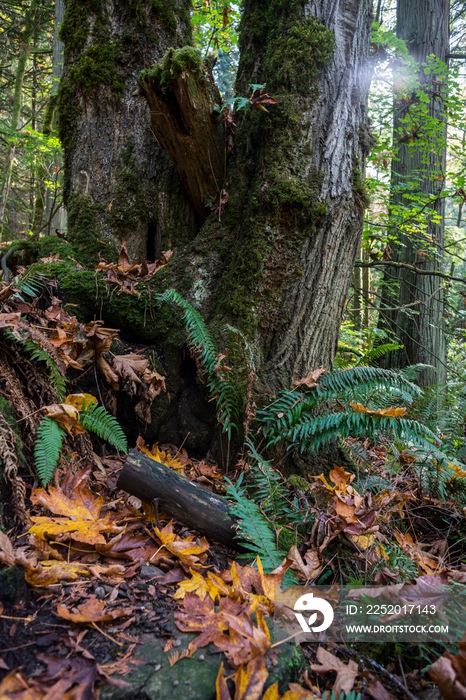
<point x="200" y="340"/>
<point x="50" y="436"/>
<point x="316" y="417"/>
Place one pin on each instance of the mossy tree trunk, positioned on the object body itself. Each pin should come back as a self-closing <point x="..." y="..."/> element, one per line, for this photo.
<point x="416" y="301"/>
<point x="119" y="183"/>
<point x="277" y="262"/>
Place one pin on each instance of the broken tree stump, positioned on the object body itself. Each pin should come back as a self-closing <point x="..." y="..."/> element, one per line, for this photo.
<point x="185" y="108"/>
<point x="180" y="498"/>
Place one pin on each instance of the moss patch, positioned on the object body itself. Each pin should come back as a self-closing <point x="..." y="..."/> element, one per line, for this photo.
<point x="93" y="60"/>
<point x="173" y="64"/>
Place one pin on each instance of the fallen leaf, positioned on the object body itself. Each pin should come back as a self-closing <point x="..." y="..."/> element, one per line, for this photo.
<point x="93" y="610"/>
<point x="391" y="412"/>
<point x="187" y="550"/>
<point x="67" y="417"/>
<point x="9" y="320"/>
<point x="310" y="380"/>
<point x="82" y="522"/>
<point x="250" y="679"/>
<point x="307" y="569"/>
<point x="346" y="673"/>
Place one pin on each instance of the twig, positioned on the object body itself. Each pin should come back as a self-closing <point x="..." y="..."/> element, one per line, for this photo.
<point x="120" y="644"/>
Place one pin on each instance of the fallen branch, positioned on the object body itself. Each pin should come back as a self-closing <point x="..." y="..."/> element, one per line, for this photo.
<point x="191" y="504"/>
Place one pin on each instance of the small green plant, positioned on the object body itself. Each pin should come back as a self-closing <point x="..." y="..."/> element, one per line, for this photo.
<point x="50" y="436"/>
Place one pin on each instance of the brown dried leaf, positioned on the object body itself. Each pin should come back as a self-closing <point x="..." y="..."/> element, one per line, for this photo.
<point x="310" y="380"/>
<point x="9" y="320"/>
<point x="93" y="610"/>
<point x="346" y="673"/>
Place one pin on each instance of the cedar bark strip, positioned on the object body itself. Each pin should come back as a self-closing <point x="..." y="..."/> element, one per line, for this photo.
<point x="185" y="113"/>
<point x="180" y="498"/>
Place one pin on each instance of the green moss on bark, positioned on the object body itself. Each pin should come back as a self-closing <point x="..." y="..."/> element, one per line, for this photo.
<point x="293" y="48"/>
<point x="173" y="64"/>
<point x="93" y="59"/>
<point x="137" y="317"/>
<point x="281" y="205"/>
<point x="85" y="231"/>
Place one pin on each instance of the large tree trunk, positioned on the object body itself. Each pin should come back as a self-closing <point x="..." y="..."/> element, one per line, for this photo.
<point x="424" y="25"/>
<point x="277" y="261"/>
<point x="119" y="183"/>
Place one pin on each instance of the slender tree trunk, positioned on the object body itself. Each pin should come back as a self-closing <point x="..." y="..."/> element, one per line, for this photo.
<point x="275" y="258"/>
<point x="424" y="25"/>
<point x="55" y="216"/>
<point x="5" y="182"/>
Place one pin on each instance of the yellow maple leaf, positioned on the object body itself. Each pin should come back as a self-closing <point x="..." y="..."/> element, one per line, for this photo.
<point x="80" y="401"/>
<point x="162" y="456"/>
<point x="211" y="585"/>
<point x="391" y="412"/>
<point x="187" y="550"/>
<point x="81" y="522"/>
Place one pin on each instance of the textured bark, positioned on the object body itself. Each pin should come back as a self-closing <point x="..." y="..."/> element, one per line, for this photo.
<point x="293" y="222"/>
<point x="185" y="113"/>
<point x="424" y="25"/>
<point x="278" y="262"/>
<point x="119" y="183"/>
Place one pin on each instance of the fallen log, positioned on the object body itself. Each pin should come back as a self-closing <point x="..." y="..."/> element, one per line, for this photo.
<point x="178" y="497"/>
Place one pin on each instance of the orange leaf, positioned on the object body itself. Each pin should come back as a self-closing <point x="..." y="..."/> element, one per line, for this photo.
<point x="221" y="688"/>
<point x="66" y="416"/>
<point x="93" y="611"/>
<point x="81" y="521"/>
<point x="391" y="412"/>
<point x="186" y="550"/>
<point x="250" y="679"/>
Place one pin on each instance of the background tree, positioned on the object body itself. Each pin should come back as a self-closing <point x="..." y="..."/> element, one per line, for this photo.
<point x="412" y="306"/>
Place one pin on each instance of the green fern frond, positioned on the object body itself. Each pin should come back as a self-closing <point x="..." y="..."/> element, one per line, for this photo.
<point x="372" y="356"/>
<point x="47" y="448"/>
<point x="200" y="339"/>
<point x="314" y="432"/>
<point x="99" y="421"/>
<point x="39" y="354"/>
<point x="267" y="486"/>
<point x="361" y="384"/>
<point x="31" y="283"/>
<point x="255" y="532"/>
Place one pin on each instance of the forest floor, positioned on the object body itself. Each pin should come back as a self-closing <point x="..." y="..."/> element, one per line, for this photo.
<point x="101" y="596"/>
<point x="69" y="638"/>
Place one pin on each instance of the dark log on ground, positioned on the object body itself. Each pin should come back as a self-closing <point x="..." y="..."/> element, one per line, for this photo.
<point x="180" y="498"/>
